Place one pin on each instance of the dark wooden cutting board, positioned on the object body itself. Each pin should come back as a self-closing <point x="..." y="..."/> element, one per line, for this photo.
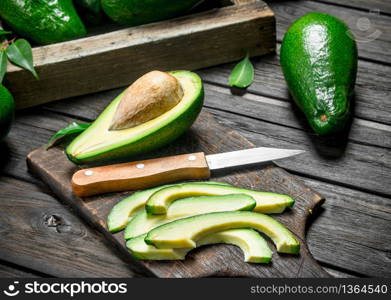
<point x="206" y="135"/>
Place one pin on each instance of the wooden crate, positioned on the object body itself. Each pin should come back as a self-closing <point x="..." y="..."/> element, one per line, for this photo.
<point x="117" y="58"/>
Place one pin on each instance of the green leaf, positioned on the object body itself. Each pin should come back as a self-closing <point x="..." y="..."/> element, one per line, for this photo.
<point x="242" y="74"/>
<point x="70" y="129"/>
<point x="20" y="53"/>
<point x="4" y="32"/>
<point x="3" y="64"/>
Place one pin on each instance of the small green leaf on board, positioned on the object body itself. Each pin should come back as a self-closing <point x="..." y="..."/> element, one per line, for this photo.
<point x="20" y="54"/>
<point x="70" y="129"/>
<point x="3" y="64"/>
<point x="242" y="74"/>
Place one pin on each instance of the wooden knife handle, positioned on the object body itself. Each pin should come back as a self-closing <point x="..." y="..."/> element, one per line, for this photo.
<point x="140" y="174"/>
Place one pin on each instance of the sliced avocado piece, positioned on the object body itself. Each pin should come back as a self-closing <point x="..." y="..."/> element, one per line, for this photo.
<point x="142" y="222"/>
<point x="123" y="211"/>
<point x="99" y="144"/>
<point x="141" y="250"/>
<point x="267" y="202"/>
<point x="184" y="233"/>
<point x="253" y="245"/>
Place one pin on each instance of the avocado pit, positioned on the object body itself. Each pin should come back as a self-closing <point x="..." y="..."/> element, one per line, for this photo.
<point x="147" y="98"/>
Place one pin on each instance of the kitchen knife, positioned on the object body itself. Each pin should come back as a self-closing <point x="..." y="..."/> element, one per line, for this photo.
<point x="153" y="172"/>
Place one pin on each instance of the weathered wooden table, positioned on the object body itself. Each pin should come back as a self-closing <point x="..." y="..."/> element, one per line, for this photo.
<point x="39" y="236"/>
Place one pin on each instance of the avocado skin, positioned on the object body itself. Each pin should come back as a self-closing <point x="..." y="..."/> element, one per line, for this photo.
<point x="90" y="11"/>
<point x="148" y="143"/>
<point x="137" y="12"/>
<point x="91" y="5"/>
<point x="7" y="111"/>
<point x="43" y="21"/>
<point x="319" y="61"/>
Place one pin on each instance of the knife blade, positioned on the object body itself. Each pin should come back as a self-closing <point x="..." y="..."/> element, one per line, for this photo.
<point x="158" y="171"/>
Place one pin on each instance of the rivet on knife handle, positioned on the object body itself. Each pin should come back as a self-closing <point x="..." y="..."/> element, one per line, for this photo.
<point x="140" y="174"/>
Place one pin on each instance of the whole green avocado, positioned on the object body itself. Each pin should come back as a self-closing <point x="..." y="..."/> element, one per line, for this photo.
<point x="43" y="21"/>
<point x="7" y="111"/>
<point x="137" y="12"/>
<point x="319" y="61"/>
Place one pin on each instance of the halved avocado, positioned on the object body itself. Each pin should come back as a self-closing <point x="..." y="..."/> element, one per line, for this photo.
<point x="267" y="202"/>
<point x="123" y="211"/>
<point x="253" y="245"/>
<point x="184" y="233"/>
<point x="142" y="222"/>
<point x="99" y="144"/>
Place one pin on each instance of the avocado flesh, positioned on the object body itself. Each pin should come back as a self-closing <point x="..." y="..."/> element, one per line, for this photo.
<point x="44" y="22"/>
<point x="99" y="144"/>
<point x="253" y="245"/>
<point x="123" y="211"/>
<point x="267" y="202"/>
<point x="142" y="222"/>
<point x="184" y="233"/>
<point x="141" y="250"/>
<point x="319" y="61"/>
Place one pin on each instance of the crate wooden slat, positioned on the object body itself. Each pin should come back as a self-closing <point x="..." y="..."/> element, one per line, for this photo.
<point x="115" y="59"/>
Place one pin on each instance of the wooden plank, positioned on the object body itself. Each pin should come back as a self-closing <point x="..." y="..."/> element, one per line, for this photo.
<point x="352" y="230"/>
<point x="40" y="233"/>
<point x="327" y="159"/>
<point x="373" y="43"/>
<point x="284" y="113"/>
<point x="116" y="58"/>
<point x="337" y="273"/>
<point x="30" y="130"/>
<point x="372" y="89"/>
<point x="206" y="135"/>
<point x="12" y="271"/>
<point x="252" y="105"/>
<point x="20" y="190"/>
<point x="375" y="6"/>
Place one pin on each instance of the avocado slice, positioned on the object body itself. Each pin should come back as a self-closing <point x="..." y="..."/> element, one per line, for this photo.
<point x="184" y="233"/>
<point x="253" y="245"/>
<point x="142" y="222"/>
<point x="139" y="12"/>
<point x="99" y="144"/>
<point x="123" y="211"/>
<point x="319" y="61"/>
<point x="267" y="202"/>
<point x="44" y="22"/>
